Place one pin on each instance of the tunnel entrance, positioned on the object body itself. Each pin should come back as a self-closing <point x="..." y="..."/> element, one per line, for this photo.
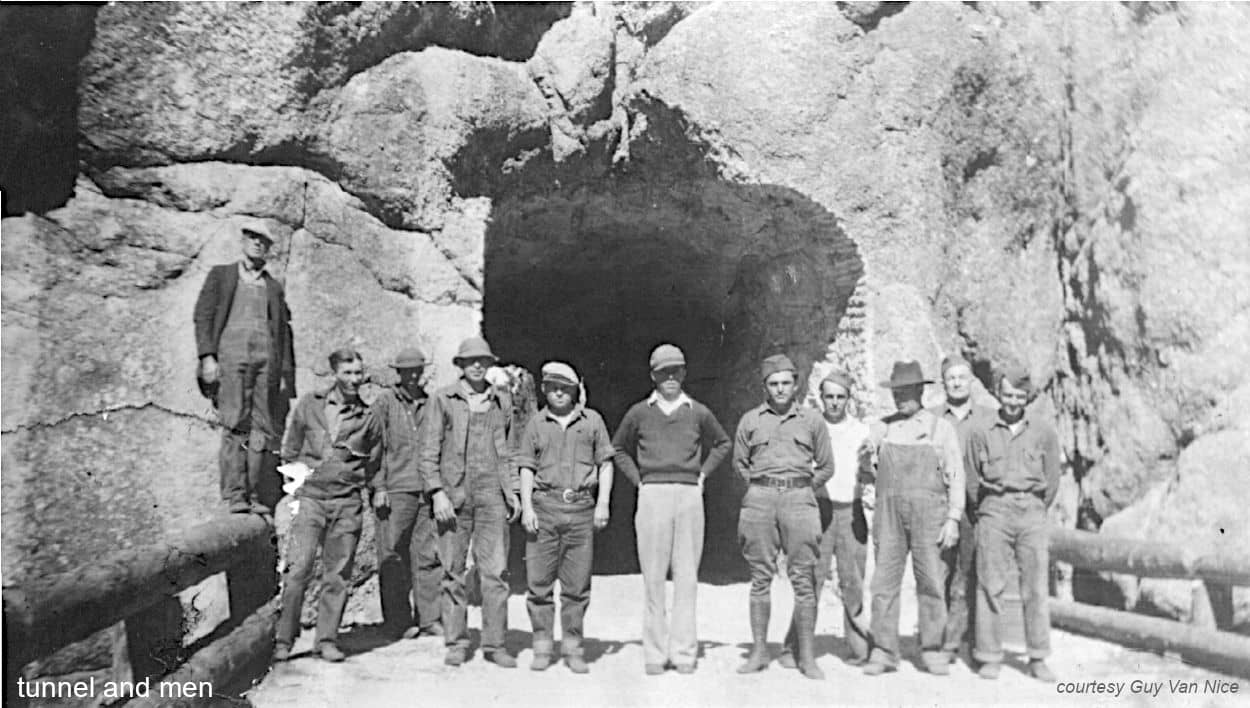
<point x="596" y="265"/>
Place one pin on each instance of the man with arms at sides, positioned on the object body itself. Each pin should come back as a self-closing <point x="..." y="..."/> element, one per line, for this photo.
<point x="247" y="365"/>
<point x="782" y="451"/>
<point x="919" y="476"/>
<point x="340" y="440"/>
<point x="565" y="458"/>
<point x="668" y="444"/>
<point x="1016" y="463"/>
<point x="470" y="475"/>
<point x="960" y="411"/>
<point x="844" y="524"/>
<point x="406" y="537"/>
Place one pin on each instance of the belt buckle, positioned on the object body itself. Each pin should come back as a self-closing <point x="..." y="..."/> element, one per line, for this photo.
<point x="567" y="495"/>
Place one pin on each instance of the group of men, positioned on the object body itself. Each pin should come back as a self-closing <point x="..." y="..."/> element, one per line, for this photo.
<point x="962" y="488"/>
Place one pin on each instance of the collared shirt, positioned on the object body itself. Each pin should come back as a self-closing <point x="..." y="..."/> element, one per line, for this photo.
<point x="565" y="457"/>
<point x="344" y="455"/>
<point x="846" y="437"/>
<point x="978" y="417"/>
<point x="1027" y="461"/>
<point x="246" y="273"/>
<point x="445" y="440"/>
<point x="667" y="407"/>
<point x="924" y="428"/>
<point x="790" y="444"/>
<point x="401" y="416"/>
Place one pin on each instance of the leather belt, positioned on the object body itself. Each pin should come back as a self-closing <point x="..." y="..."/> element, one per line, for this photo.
<point x="782" y="482"/>
<point x="568" y="496"/>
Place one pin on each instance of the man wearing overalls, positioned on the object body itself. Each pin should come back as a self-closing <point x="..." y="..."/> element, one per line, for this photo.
<point x="565" y="457"/>
<point x="467" y="465"/>
<point x="920" y="499"/>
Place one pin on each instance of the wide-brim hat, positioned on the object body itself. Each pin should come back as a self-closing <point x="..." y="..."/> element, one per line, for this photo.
<point x="905" y="373"/>
<point x="474" y="348"/>
<point x="410" y="358"/>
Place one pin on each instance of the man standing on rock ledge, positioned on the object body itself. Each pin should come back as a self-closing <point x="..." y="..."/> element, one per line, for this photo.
<point x="961" y="583"/>
<point x="468" y="466"/>
<point x="668" y="444"/>
<point x="1016" y="464"/>
<point x="406" y="538"/>
<point x="782" y="451"/>
<point x="247" y="365"/>
<point x="920" y="499"/>
<point x="336" y="435"/>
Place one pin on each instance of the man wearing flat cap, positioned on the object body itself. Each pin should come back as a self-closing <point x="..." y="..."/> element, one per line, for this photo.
<point x="782" y="451"/>
<point x="919" y="475"/>
<point x="966" y="415"/>
<point x="565" y="458"/>
<point x="668" y="444"/>
<point x="469" y="471"/>
<point x="246" y="366"/>
<point x="1016" y="463"/>
<point x="406" y="537"/>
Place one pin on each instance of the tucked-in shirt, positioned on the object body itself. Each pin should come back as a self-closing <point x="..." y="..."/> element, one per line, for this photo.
<point x="846" y="437"/>
<point x="790" y="444"/>
<point x="565" y="457"/>
<point x="1027" y="461"/>
<point x="401" y="417"/>
<point x="978" y="417"/>
<point x="677" y="448"/>
<point x="915" y="430"/>
<point x="343" y="458"/>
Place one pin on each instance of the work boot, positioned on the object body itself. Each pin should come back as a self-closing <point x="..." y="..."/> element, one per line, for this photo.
<point x="758" y="659"/>
<point x="576" y="663"/>
<point x="411" y="633"/>
<point x="1040" y="671"/>
<point x="989" y="670"/>
<point x="455" y="656"/>
<point x="540" y="662"/>
<point x="330" y="652"/>
<point x="876" y="668"/>
<point x="501" y="658"/>
<point x="805" y="622"/>
<point x="281" y="651"/>
<point x="433" y="629"/>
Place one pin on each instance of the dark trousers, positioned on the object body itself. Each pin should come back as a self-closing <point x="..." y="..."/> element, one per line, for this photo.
<point x="244" y="409"/>
<point x="774" y="520"/>
<point x="902" y="524"/>
<point x="1011" y="528"/>
<point x="484" y="524"/>
<point x="407" y="542"/>
<point x="961" y="587"/>
<point x="563" y="549"/>
<point x="845" y="537"/>
<point x="334" y="526"/>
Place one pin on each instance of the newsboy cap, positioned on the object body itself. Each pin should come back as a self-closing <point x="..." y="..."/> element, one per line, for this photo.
<point x="666" y="356"/>
<point x="561" y="373"/>
<point x="410" y="358"/>
<point x="257" y="228"/>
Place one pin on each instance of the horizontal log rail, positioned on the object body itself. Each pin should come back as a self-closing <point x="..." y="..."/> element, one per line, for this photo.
<point x="45" y="615"/>
<point x="1149" y="559"/>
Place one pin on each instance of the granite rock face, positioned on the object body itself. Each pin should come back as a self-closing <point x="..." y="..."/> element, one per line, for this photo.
<point x="1059" y="185"/>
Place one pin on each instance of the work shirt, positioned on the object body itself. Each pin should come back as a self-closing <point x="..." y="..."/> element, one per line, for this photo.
<point x="923" y="428"/>
<point x="978" y="417"/>
<point x="339" y="439"/>
<point x="565" y="457"/>
<point x="790" y="444"/>
<point x="846" y="437"/>
<point x="445" y="440"/>
<point x="401" y="416"/>
<point x="1027" y="461"/>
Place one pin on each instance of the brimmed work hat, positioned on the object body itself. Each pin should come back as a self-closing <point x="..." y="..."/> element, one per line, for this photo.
<point x="474" y="348"/>
<point x="905" y="373"/>
<point x="410" y="358"/>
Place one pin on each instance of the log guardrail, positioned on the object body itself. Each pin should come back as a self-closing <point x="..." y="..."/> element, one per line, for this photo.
<point x="136" y="585"/>
<point x="1212" y="574"/>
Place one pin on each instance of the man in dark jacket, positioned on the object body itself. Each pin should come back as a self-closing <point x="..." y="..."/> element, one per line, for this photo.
<point x="468" y="466"/>
<point x="246" y="365"/>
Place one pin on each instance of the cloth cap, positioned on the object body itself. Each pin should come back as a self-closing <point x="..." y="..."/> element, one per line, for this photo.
<point x="257" y="228"/>
<point x="905" y="373"/>
<point x="666" y="356"/>
<point x="559" y="372"/>
<point x="952" y="361"/>
<point x="474" y="347"/>
<point x="840" y="378"/>
<point x="1018" y="376"/>
<point x="410" y="358"/>
<point x="776" y="364"/>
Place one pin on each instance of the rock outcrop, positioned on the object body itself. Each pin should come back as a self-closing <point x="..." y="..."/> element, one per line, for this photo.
<point x="1059" y="185"/>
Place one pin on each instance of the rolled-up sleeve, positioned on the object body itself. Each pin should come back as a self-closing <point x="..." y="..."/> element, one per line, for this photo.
<point x="947" y="440"/>
<point x="529" y="448"/>
<point x="603" y="451"/>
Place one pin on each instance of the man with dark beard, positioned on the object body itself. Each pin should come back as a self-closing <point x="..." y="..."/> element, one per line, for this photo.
<point x="1016" y="463"/>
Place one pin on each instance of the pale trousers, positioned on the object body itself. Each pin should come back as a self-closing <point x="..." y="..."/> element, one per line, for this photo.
<point x="669" y="524"/>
